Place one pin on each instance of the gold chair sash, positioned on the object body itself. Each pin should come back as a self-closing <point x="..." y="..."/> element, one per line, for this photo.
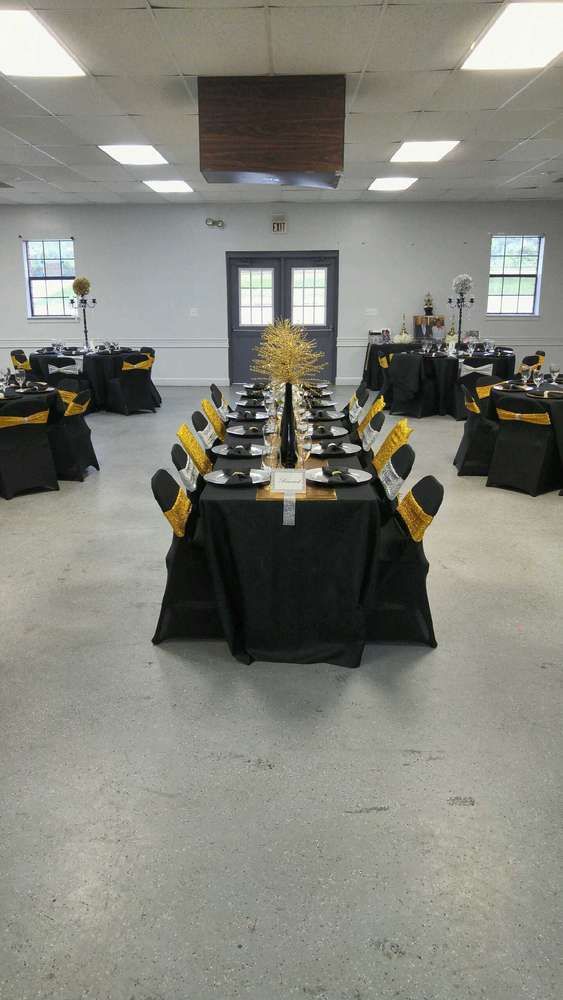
<point x="483" y="391"/>
<point x="67" y="395"/>
<point x="415" y="518"/>
<point x="214" y="418"/>
<point x="128" y="367"/>
<point x="397" y="437"/>
<point x="527" y="418"/>
<point x="193" y="448"/>
<point x="73" y="409"/>
<point x="471" y="405"/>
<point x="178" y="514"/>
<point x="385" y="360"/>
<point x="34" y="418"/>
<point x="24" y="366"/>
<point x="376" y="406"/>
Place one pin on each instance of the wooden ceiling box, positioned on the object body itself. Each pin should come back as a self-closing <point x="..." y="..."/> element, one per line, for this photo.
<point x="272" y="130"/>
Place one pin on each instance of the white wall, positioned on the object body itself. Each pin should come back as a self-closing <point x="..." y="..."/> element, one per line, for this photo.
<point x="151" y="266"/>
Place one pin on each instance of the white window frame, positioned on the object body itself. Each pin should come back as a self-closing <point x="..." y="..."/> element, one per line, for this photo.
<point x="535" y="314"/>
<point x="29" y="305"/>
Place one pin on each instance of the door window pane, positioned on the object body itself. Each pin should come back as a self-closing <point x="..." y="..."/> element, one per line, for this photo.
<point x="255" y="296"/>
<point x="308" y="296"/>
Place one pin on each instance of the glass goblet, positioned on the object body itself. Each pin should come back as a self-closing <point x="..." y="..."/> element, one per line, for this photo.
<point x="20" y="376"/>
<point x="554" y="372"/>
<point x="537" y="377"/>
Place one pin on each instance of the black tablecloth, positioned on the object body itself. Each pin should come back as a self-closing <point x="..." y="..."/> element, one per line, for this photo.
<point x="292" y="593"/>
<point x="98" y="368"/>
<point x="553" y="406"/>
<point x="441" y="367"/>
<point x="47" y="399"/>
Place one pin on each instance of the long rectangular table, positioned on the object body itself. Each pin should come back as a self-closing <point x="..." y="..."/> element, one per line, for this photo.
<point x="292" y="593"/>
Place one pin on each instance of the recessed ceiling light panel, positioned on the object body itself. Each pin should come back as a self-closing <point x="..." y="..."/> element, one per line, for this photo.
<point x="28" y="49"/>
<point x="392" y="183"/>
<point x="525" y="36"/>
<point x="424" y="152"/>
<point x="169" y="187"/>
<point x="139" y="156"/>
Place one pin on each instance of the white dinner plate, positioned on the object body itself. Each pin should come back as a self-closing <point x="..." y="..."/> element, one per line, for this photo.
<point x="317" y="476"/>
<point x="257" y="415"/>
<point x="244" y="430"/>
<point x="255" y="450"/>
<point x="329" y="432"/>
<point x="222" y="477"/>
<point x="319" y="449"/>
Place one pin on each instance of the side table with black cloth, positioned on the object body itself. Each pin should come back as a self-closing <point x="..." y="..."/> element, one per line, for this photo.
<point x="98" y="368"/>
<point x="373" y="369"/>
<point x="294" y="593"/>
<point x="413" y="388"/>
<point x="26" y="462"/>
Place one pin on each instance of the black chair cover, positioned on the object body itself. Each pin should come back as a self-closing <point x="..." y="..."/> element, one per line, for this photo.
<point x="26" y="462"/>
<point x="188" y="608"/>
<point x="365" y="456"/>
<point x="154" y="391"/>
<point x="397" y="607"/>
<point x="56" y="378"/>
<point x="525" y="456"/>
<point x="206" y="433"/>
<point x="70" y="439"/>
<point x="131" y="391"/>
<point x="20" y="361"/>
<point x="473" y="457"/>
<point x="413" y="391"/>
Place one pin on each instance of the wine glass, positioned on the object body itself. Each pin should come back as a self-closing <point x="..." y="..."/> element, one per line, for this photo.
<point x="537" y="376"/>
<point x="554" y="372"/>
<point x="524" y="375"/>
<point x="20" y="377"/>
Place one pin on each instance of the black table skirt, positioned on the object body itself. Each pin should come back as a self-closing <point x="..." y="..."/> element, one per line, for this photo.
<point x="99" y="369"/>
<point x="47" y="399"/>
<point x="553" y="406"/>
<point x="441" y="367"/>
<point x="292" y="594"/>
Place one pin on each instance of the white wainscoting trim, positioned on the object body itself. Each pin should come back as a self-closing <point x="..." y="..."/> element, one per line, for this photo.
<point x="167" y="382"/>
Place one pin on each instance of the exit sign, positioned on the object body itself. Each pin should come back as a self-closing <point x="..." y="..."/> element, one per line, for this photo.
<point x="279" y="224"/>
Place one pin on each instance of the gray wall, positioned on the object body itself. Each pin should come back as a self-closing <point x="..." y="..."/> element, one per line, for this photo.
<point x="159" y="272"/>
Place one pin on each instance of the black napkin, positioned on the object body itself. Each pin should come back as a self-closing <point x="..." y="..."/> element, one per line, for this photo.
<point x="240" y="449"/>
<point x="319" y="429"/>
<point x="338" y="476"/>
<point x="320" y="415"/>
<point x="240" y="477"/>
<point x="334" y="449"/>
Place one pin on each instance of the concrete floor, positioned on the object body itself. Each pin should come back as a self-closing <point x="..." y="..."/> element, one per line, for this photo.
<point x="177" y="826"/>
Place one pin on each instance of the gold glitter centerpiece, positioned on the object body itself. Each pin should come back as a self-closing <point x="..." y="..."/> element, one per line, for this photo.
<point x="285" y="354"/>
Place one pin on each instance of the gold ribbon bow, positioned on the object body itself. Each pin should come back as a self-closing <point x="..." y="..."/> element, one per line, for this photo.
<point x="471" y="405"/>
<point x="415" y="518"/>
<point x="397" y="437"/>
<point x="140" y="365"/>
<point x="178" y="514"/>
<point x="484" y="391"/>
<point x="67" y="395"/>
<point x="376" y="406"/>
<point x="528" y="418"/>
<point x="24" y="366"/>
<point x="194" y="449"/>
<point x="214" y="418"/>
<point x="34" y="418"/>
<point x="385" y="360"/>
<point x="73" y="409"/>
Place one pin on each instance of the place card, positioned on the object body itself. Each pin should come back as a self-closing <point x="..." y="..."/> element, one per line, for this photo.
<point x="288" y="481"/>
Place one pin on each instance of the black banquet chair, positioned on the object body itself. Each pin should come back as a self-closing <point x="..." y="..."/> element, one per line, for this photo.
<point x="189" y="608"/>
<point x="130" y="392"/>
<point x="151" y="353"/>
<point x="20" y="361"/>
<point x="70" y="436"/>
<point x="26" y="462"/>
<point x="525" y="456"/>
<point x="473" y="457"/>
<point x="396" y="606"/>
<point x="413" y="391"/>
<point x="61" y="369"/>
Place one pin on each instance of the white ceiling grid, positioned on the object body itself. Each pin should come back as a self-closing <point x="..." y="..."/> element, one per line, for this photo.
<point x="401" y="59"/>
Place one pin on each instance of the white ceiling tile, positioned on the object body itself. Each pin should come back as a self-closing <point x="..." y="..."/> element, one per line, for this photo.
<point x="181" y="153"/>
<point x="168" y="127"/>
<point x="545" y="92"/>
<point x="368" y="152"/>
<point x="78" y="155"/>
<point x="104" y="174"/>
<point x="113" y="42"/>
<point x="216" y="42"/>
<point x="381" y="127"/>
<point x="471" y="91"/>
<point x="429" y="36"/>
<point x="535" y="151"/>
<point x="553" y="131"/>
<point x="395" y="91"/>
<point x="72" y="96"/>
<point x="14" y="102"/>
<point x="12" y="152"/>
<point x="321" y="40"/>
<point x="40" y="131"/>
<point x="150" y="95"/>
<point x="102" y="130"/>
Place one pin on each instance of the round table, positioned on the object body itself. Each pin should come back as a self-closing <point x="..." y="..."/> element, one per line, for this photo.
<point x="99" y="367"/>
<point x="47" y="397"/>
<point x="553" y="406"/>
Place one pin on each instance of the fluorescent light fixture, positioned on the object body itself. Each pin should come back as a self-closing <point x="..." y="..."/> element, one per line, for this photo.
<point x="139" y="156"/>
<point x="28" y="49"/>
<point x="424" y="152"/>
<point x="169" y="187"/>
<point x="392" y="183"/>
<point x="525" y="36"/>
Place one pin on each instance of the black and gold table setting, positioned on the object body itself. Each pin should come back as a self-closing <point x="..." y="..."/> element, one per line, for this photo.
<point x="548" y="394"/>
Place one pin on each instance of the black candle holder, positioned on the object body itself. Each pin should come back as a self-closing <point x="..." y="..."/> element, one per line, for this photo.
<point x="460" y="302"/>
<point x="84" y="303"/>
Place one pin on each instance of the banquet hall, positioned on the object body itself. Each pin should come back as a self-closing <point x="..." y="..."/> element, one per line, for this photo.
<point x="281" y="494"/>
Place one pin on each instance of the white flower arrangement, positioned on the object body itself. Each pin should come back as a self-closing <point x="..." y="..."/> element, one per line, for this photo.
<point x="462" y="285"/>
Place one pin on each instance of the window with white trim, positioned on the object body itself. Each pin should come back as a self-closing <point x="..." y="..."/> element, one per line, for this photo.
<point x="255" y="296"/>
<point x="515" y="275"/>
<point x="50" y="270"/>
<point x="308" y="296"/>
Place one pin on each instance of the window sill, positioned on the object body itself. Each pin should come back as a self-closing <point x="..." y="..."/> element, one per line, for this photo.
<point x="512" y="316"/>
<point x="52" y="319"/>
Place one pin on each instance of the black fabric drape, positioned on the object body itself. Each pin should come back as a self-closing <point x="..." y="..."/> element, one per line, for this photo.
<point x="98" y="369"/>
